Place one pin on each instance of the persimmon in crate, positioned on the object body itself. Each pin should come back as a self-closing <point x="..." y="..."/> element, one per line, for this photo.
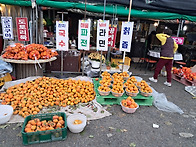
<point x="44" y="128"/>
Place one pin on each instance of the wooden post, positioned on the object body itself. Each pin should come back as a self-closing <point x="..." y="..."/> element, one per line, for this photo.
<point x="128" y="21"/>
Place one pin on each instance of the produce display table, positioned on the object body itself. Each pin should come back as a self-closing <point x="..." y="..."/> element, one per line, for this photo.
<point x="27" y="68"/>
<point x="111" y="100"/>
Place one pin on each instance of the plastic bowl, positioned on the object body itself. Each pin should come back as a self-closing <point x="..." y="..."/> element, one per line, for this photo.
<point x="131" y="94"/>
<point x="102" y="93"/>
<point x="76" y="128"/>
<point x="6" y="112"/>
<point x="129" y="110"/>
<point x="117" y="94"/>
<point x="139" y="79"/>
<point x="146" y="94"/>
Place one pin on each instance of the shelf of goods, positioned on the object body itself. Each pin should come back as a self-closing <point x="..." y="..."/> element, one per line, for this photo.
<point x="183" y="80"/>
<point x="112" y="100"/>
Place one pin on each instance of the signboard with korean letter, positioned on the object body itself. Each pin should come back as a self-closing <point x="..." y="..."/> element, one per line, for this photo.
<point x="62" y="35"/>
<point x="22" y="28"/>
<point x="126" y="36"/>
<point x="102" y="35"/>
<point x="7" y="27"/>
<point x="84" y="34"/>
<point x="112" y="36"/>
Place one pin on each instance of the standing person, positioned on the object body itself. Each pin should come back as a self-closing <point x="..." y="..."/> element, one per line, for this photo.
<point x="168" y="48"/>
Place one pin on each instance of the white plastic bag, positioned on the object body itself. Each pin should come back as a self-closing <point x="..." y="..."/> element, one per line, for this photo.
<point x="161" y="103"/>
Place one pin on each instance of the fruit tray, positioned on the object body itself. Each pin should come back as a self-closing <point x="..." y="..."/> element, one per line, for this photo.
<point x="44" y="136"/>
<point x="183" y="80"/>
<point x="111" y="100"/>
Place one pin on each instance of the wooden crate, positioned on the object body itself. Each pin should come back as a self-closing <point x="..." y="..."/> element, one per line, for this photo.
<point x="183" y="80"/>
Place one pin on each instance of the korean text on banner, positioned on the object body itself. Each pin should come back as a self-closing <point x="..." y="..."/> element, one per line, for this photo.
<point x="102" y="35"/>
<point x="62" y="35"/>
<point x="112" y="36"/>
<point x="126" y="36"/>
<point x="7" y="27"/>
<point x="22" y="28"/>
<point x="84" y="34"/>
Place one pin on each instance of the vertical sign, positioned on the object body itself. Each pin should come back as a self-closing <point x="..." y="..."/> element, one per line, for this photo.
<point x="22" y="28"/>
<point x="126" y="36"/>
<point x="62" y="35"/>
<point x="102" y="35"/>
<point x="7" y="27"/>
<point x="84" y="34"/>
<point x="112" y="36"/>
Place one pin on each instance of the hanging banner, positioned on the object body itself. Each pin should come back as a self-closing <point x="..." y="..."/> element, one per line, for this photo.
<point x="179" y="40"/>
<point x="7" y="27"/>
<point x="84" y="34"/>
<point x="62" y="41"/>
<point x="102" y="35"/>
<point x="22" y="28"/>
<point x="126" y="36"/>
<point x="112" y="36"/>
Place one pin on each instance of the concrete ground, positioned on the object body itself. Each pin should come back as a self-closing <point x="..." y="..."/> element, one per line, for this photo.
<point x="130" y="130"/>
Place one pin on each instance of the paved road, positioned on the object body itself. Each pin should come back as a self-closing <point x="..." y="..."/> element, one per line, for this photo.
<point x="125" y="130"/>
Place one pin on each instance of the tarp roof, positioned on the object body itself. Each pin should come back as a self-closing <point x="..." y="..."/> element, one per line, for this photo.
<point x="172" y="9"/>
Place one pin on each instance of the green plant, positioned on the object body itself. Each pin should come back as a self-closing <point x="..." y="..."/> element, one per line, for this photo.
<point x="113" y="65"/>
<point x="107" y="62"/>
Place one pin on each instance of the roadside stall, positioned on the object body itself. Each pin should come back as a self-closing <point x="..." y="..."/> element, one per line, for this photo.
<point x="48" y="106"/>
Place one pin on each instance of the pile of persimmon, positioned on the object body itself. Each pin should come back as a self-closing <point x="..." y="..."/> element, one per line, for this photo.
<point x="132" y="88"/>
<point x="32" y="51"/>
<point x="117" y="89"/>
<point x="142" y="84"/>
<point x="128" y="82"/>
<point x="124" y="74"/>
<point x="146" y="89"/>
<point x="118" y="83"/>
<point x="186" y="73"/>
<point x="117" y="76"/>
<point x="36" y="124"/>
<point x="132" y="79"/>
<point x="129" y="103"/>
<point x="30" y="97"/>
<point x="104" y="88"/>
<point x="105" y="82"/>
<point x="107" y="78"/>
<point x="105" y="74"/>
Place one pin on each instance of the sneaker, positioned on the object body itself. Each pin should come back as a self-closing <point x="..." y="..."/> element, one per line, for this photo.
<point x="153" y="80"/>
<point x="167" y="84"/>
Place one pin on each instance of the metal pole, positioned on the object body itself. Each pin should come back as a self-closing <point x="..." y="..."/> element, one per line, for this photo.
<point x="36" y="12"/>
<point x="101" y="50"/>
<point x="83" y="50"/>
<point x="179" y="28"/>
<point x="128" y="21"/>
<point x="62" y="56"/>
<point x="41" y="28"/>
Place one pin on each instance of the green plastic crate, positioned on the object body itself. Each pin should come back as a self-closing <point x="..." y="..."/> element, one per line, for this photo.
<point x="44" y="136"/>
<point x="111" y="100"/>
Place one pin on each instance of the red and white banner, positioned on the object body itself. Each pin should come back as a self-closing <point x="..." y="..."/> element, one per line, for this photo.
<point x="22" y="28"/>
<point x="62" y="35"/>
<point x="179" y="40"/>
<point x="112" y="36"/>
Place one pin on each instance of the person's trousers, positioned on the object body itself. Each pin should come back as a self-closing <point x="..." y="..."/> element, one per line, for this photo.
<point x="168" y="63"/>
